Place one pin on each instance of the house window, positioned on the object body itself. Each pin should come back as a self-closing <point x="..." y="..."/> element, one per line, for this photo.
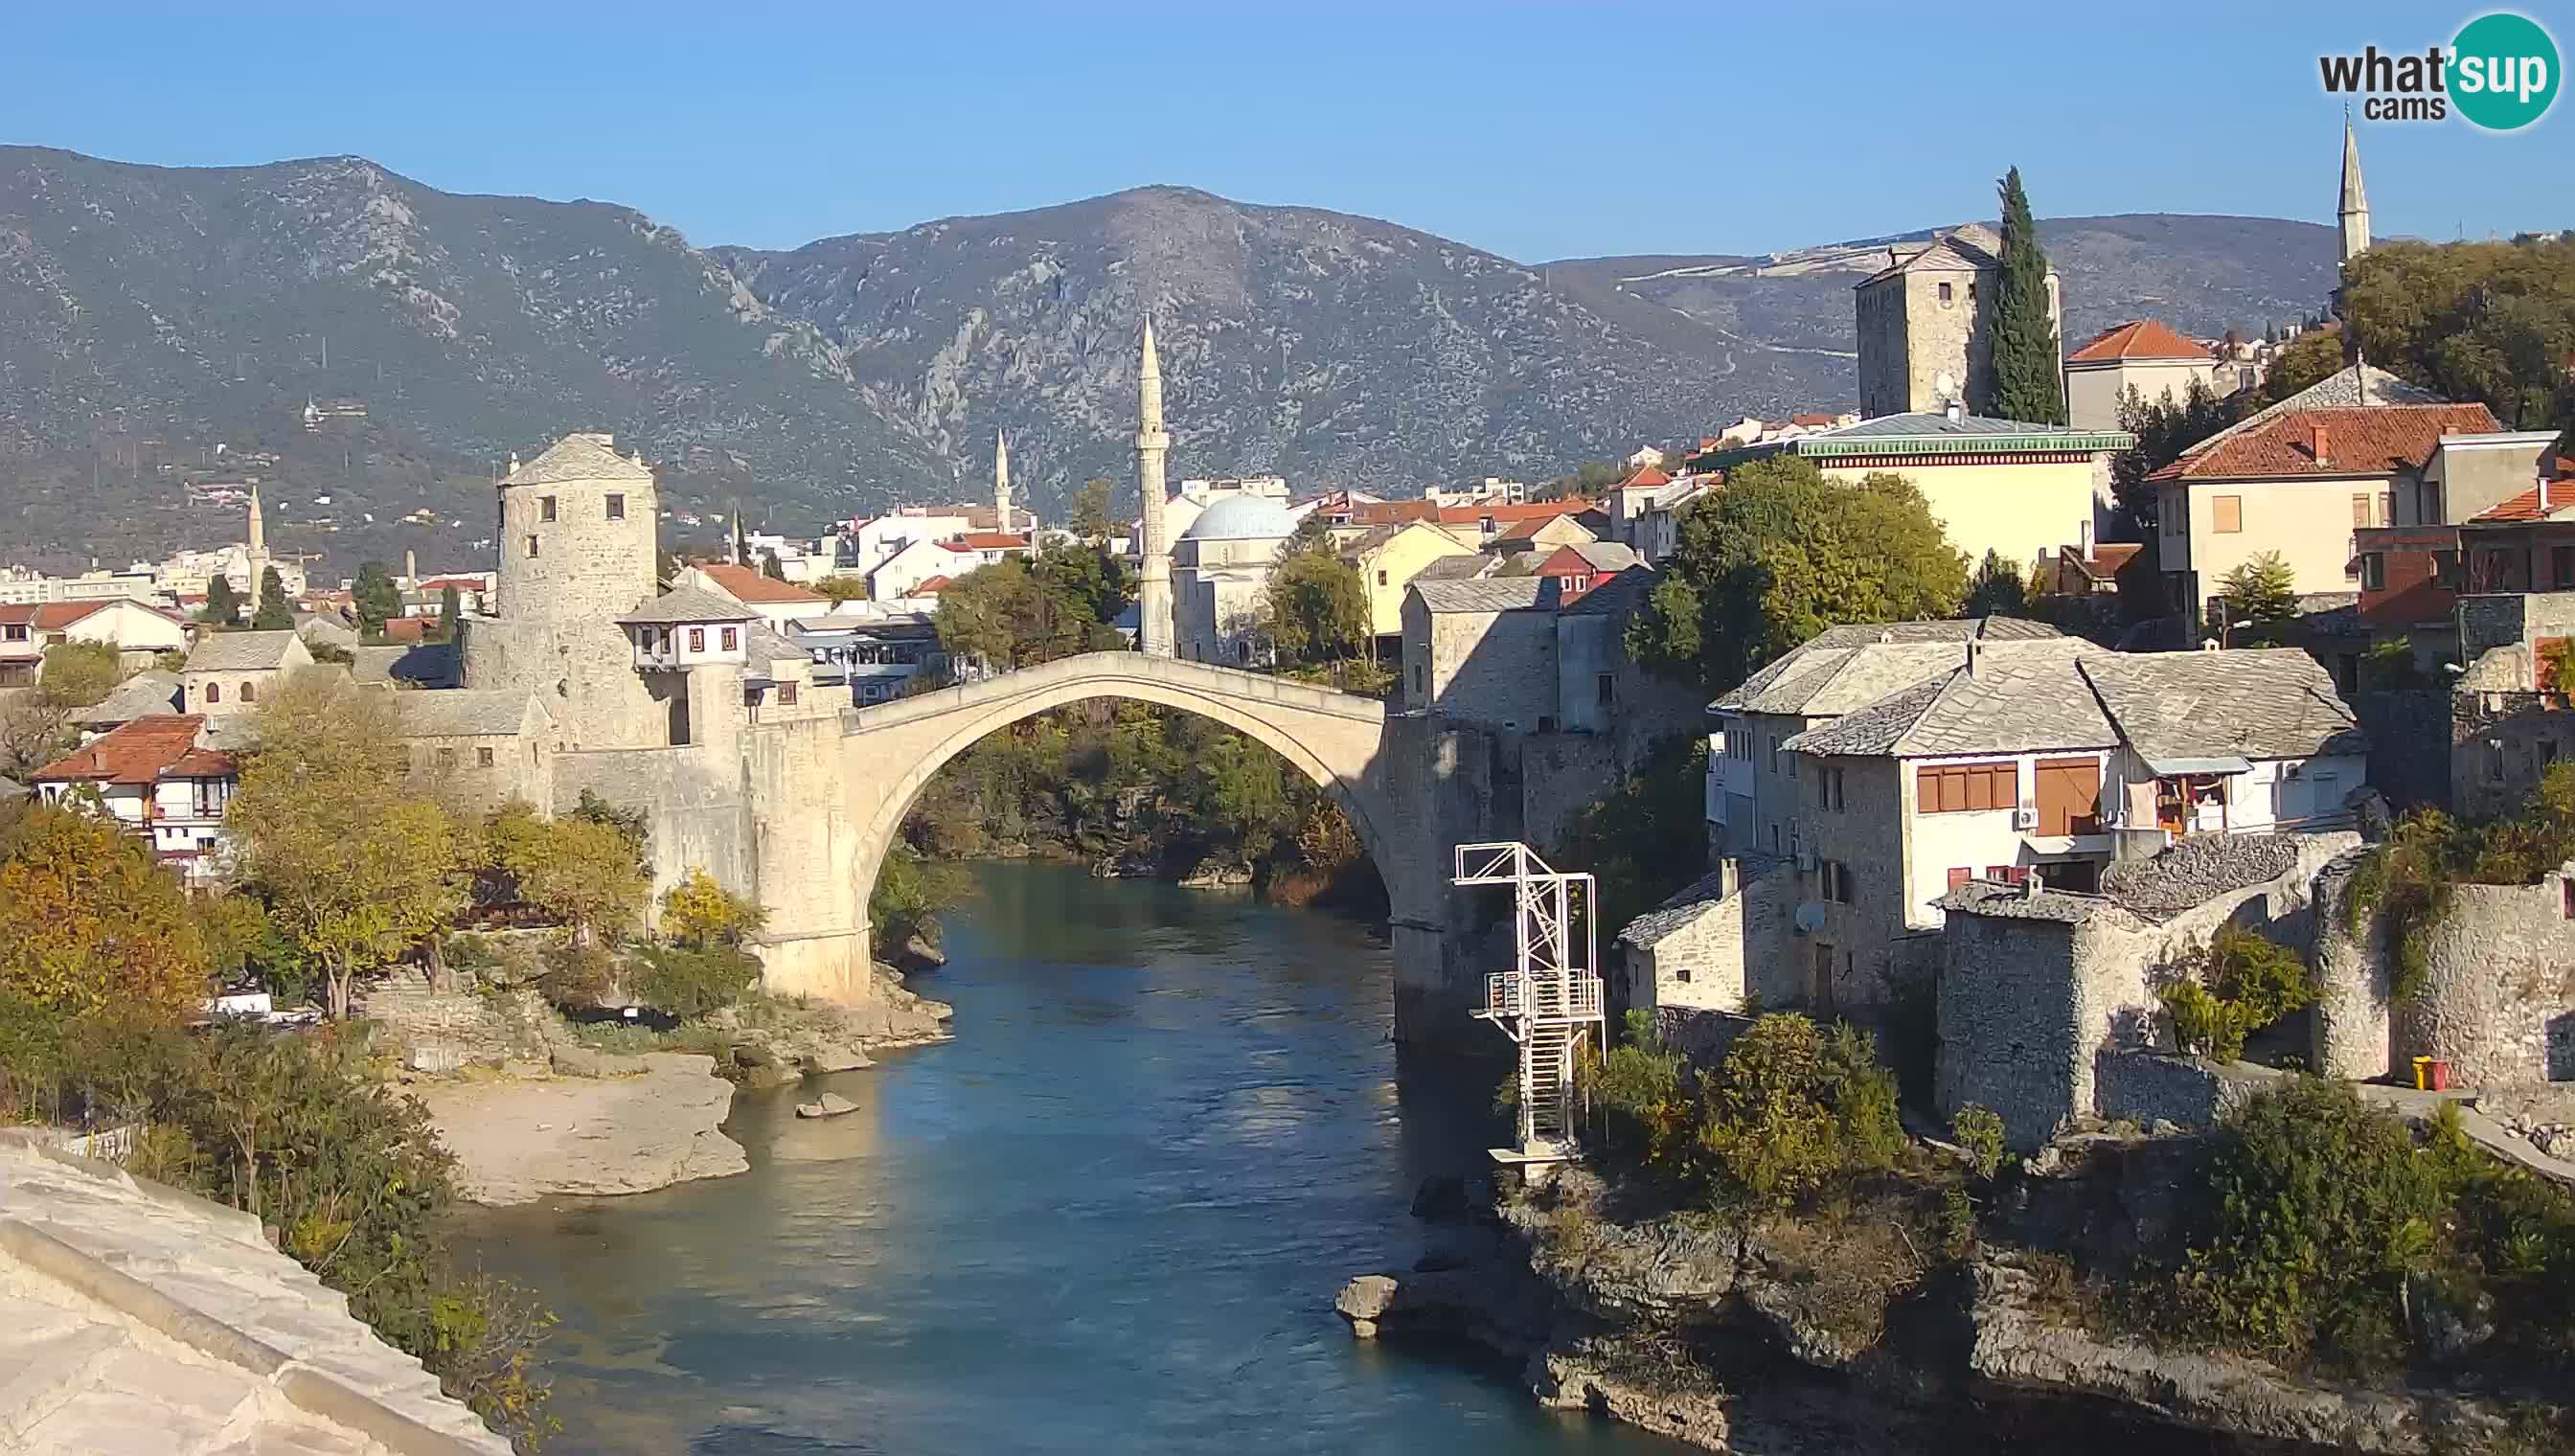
<point x="250" y="693"/>
<point x="532" y="546"/>
<point x="214" y="693"/>
<point x="2445" y="570"/>
<point x="2386" y="506"/>
<point x="1606" y="686"/>
<point x="1965" y="787"/>
<point x="697" y="638"/>
<point x="787" y="695"/>
<point x="2360" y="510"/>
<point x="2373" y="571"/>
<point x="615" y="507"/>
<point x="1484" y="524"/>
<point x="2428" y="501"/>
<point x="482" y="757"/>
<point x="2494" y="760"/>
<point x="2226" y="514"/>
<point x="732" y="637"/>
<point x="1945" y="294"/>
<point x="1380" y="576"/>
<point x="446" y="759"/>
<point x="1417" y="680"/>
<point x="546" y="508"/>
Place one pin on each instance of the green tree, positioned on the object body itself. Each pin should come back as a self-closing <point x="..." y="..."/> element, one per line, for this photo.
<point x="1996" y="590"/>
<point x="1782" y="552"/>
<point x="2261" y="589"/>
<point x="355" y="869"/>
<point x="79" y="673"/>
<point x="1796" y="1107"/>
<point x="2307" y="361"/>
<point x="451" y="612"/>
<point x="582" y="873"/>
<point x="1011" y="615"/>
<point x="89" y="924"/>
<point x="36" y="726"/>
<point x="909" y="893"/>
<point x="275" y="613"/>
<point x="771" y="567"/>
<point x="2493" y="322"/>
<point x="1091" y="522"/>
<point x="1315" y="607"/>
<point x="1087" y="575"/>
<point x="222" y="604"/>
<point x="378" y="599"/>
<point x="2028" y="379"/>
<point x="2164" y="428"/>
<point x="840" y="589"/>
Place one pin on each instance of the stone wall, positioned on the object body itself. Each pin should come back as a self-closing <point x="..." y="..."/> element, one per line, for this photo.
<point x="1723" y="952"/>
<point x="2145" y="1086"/>
<point x="442" y="1031"/>
<point x="2500" y="745"/>
<point x="2351" y="1029"/>
<point x="699" y="812"/>
<point x="1702" y="1036"/>
<point x="2399" y="725"/>
<point x="2499" y="1000"/>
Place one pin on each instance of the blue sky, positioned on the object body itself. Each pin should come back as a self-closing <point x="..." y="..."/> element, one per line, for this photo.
<point x="1536" y="131"/>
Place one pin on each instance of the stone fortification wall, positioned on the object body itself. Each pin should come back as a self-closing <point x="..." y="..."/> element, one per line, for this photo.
<point x="2499" y="999"/>
<point x="700" y="813"/>
<point x="443" y="1031"/>
<point x="2352" y="1027"/>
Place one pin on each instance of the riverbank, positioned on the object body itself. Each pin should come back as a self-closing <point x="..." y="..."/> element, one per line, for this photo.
<point x="1858" y="1332"/>
<point x="649" y="1123"/>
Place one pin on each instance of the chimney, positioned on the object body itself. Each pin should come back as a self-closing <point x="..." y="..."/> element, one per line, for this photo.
<point x="1957" y="412"/>
<point x="2543" y="494"/>
<point x="1971" y="656"/>
<point x="2324" y="446"/>
<point x="2031" y="886"/>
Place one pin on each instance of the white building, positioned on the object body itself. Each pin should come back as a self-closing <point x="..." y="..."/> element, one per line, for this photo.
<point x="157" y="778"/>
<point x="779" y="603"/>
<point x="898" y="576"/>
<point x="1221" y="571"/>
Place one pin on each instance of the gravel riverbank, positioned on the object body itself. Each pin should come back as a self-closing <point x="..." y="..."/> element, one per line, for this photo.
<point x="519" y="1140"/>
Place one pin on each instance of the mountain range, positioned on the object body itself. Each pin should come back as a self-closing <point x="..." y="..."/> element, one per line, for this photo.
<point x="160" y="323"/>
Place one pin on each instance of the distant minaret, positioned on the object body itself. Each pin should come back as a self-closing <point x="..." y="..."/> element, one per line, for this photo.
<point x="255" y="556"/>
<point x="1001" y="484"/>
<point x="2354" y="212"/>
<point x="1153" y="602"/>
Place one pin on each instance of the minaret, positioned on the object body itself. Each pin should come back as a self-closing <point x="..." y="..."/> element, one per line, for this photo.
<point x="1001" y="484"/>
<point x="255" y="555"/>
<point x="2354" y="211"/>
<point x="1153" y="602"/>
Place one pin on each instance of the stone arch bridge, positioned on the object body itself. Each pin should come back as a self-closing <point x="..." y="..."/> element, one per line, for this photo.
<point x="834" y="798"/>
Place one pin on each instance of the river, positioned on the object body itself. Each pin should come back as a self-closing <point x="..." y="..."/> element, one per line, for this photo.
<point x="1109" y="1217"/>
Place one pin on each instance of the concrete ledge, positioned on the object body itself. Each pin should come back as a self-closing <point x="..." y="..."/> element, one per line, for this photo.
<point x="136" y="1300"/>
<point x="318" y="1393"/>
<point x="244" y="1228"/>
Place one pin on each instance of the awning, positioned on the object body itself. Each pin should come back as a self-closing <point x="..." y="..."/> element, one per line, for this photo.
<point x="2174" y="768"/>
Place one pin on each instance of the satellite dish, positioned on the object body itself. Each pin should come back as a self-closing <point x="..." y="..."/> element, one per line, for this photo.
<point x="1810" y="919"/>
<point x="1944" y="384"/>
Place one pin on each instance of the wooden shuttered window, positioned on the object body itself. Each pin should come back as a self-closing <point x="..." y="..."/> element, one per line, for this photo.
<point x="2226" y="514"/>
<point x="1960" y="788"/>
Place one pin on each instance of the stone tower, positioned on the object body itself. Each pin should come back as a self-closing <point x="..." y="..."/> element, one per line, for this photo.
<point x="2354" y="213"/>
<point x="578" y="532"/>
<point x="1001" y="484"/>
<point x="1154" y="600"/>
<point x="1927" y="323"/>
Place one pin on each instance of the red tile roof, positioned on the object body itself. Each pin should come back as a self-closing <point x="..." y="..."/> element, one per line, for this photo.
<point x="1645" y="478"/>
<point x="408" y="629"/>
<point x="2361" y="439"/>
<point x="1812" y="421"/>
<point x="1499" y="514"/>
<point x="1392" y="512"/>
<point x="2138" y="339"/>
<point x="140" y="752"/>
<point x="932" y="587"/>
<point x="989" y="540"/>
<point x="747" y="585"/>
<point x="461" y="583"/>
<point x="2526" y="506"/>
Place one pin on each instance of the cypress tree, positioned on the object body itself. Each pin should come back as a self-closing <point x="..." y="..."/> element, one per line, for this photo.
<point x="2028" y="382"/>
<point x="223" y="605"/>
<point x="273" y="613"/>
<point x="451" y="611"/>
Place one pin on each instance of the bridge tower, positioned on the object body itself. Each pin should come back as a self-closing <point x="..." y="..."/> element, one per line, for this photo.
<point x="1549" y="1000"/>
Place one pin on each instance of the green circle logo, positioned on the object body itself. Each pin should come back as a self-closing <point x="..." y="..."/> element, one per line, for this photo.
<point x="2503" y="71"/>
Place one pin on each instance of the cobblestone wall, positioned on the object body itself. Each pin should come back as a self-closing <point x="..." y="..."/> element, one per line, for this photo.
<point x="443" y="1031"/>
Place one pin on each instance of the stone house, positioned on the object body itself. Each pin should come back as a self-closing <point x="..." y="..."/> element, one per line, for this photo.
<point x="227" y="671"/>
<point x="2509" y="718"/>
<point x="2301" y="479"/>
<point x="2005" y="486"/>
<point x="1926" y="323"/>
<point x="1387" y="558"/>
<point x="2491" y="513"/>
<point x="478" y="749"/>
<point x="2144" y="355"/>
<point x="1542" y="536"/>
<point x="160" y="780"/>
<point x="1689" y="952"/>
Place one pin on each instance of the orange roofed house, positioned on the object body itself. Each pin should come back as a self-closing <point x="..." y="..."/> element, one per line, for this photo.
<point x="779" y="603"/>
<point x="2302" y="479"/>
<point x="2143" y="354"/>
<point x="159" y="779"/>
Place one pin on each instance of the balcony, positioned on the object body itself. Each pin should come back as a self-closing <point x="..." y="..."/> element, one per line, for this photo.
<point x="1509" y="994"/>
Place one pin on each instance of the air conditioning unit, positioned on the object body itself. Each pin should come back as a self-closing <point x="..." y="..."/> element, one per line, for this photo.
<point x="2026" y="817"/>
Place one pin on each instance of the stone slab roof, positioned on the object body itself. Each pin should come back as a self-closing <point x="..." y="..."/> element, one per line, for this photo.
<point x="423" y="665"/>
<point x="579" y="457"/>
<point x="140" y="696"/>
<point x="1456" y="569"/>
<point x="765" y="645"/>
<point x="2022" y="697"/>
<point x="1495" y="594"/>
<point x="683" y="605"/>
<point x="2254" y="703"/>
<point x="1784" y="683"/>
<point x="463" y="712"/>
<point x="2197" y="869"/>
<point x="239" y="652"/>
<point x="137" y="1318"/>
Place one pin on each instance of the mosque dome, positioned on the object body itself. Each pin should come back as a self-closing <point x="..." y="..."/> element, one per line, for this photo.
<point x="1242" y="518"/>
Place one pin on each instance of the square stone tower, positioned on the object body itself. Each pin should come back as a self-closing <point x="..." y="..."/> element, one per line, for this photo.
<point x="1925" y="324"/>
<point x="579" y="534"/>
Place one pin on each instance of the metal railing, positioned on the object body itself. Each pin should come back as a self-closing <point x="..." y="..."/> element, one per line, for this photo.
<point x="1546" y="997"/>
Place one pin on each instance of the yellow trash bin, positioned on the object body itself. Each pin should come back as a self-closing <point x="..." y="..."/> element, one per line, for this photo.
<point x="2422" y="1073"/>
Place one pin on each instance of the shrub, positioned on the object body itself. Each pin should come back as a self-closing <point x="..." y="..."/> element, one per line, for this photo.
<point x="578" y="977"/>
<point x="1795" y="1108"/>
<point x="2317" y="1207"/>
<point x="1979" y="1130"/>
<point x="1647" y="1118"/>
<point x="698" y="913"/>
<point x="2236" y="985"/>
<point x="687" y="984"/>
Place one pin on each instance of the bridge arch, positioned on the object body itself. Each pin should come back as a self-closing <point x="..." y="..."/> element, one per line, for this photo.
<point x="1334" y="739"/>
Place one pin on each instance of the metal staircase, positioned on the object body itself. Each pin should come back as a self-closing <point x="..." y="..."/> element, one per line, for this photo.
<point x="1550" y="1001"/>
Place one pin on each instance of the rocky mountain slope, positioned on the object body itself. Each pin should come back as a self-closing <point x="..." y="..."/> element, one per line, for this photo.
<point x="151" y="315"/>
